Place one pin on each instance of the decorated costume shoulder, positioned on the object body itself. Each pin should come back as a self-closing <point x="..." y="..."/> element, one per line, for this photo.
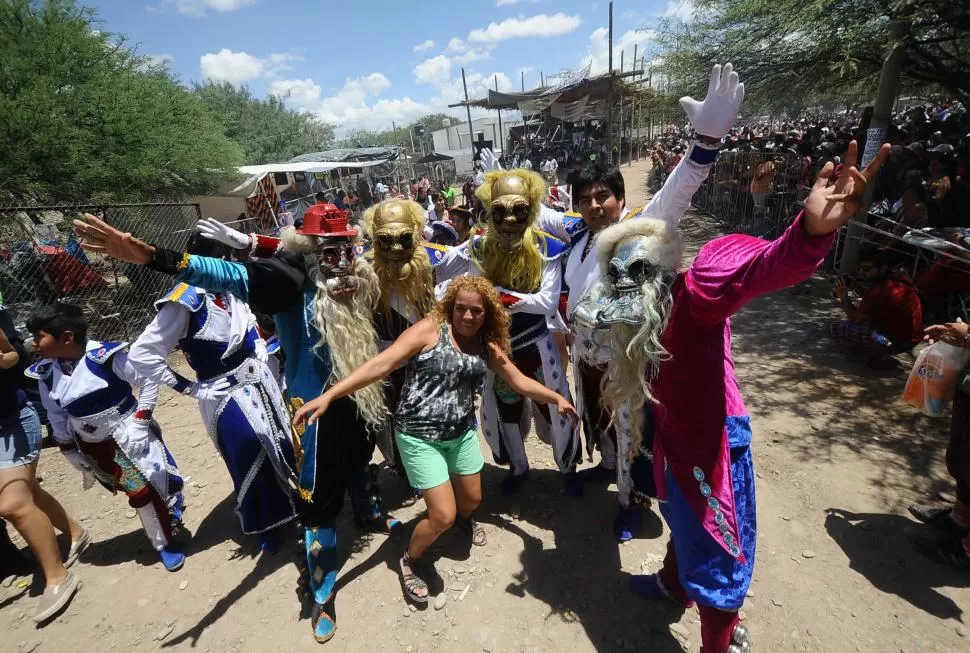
<point x="188" y="296"/>
<point x="550" y="246"/>
<point x="435" y="252"/>
<point x="105" y="352"/>
<point x="40" y="370"/>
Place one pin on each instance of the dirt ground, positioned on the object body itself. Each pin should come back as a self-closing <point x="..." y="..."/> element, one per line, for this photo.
<point x="838" y="456"/>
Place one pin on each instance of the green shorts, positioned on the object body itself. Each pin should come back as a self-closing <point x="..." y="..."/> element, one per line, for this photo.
<point x="429" y="464"/>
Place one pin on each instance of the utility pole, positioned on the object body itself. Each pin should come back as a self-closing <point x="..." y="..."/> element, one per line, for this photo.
<point x="619" y="149"/>
<point x="501" y="134"/>
<point x="523" y="81"/>
<point x="875" y="137"/>
<point x="468" y="111"/>
<point x="633" y="108"/>
<point x="609" y="99"/>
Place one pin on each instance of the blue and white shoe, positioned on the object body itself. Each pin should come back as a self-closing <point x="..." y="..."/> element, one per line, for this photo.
<point x="324" y="624"/>
<point x="173" y="560"/>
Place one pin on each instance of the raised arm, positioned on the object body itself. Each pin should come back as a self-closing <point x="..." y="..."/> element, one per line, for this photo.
<point x="711" y="119"/>
<point x="409" y="344"/>
<point x="731" y="271"/>
<point x="268" y="285"/>
<point x="501" y="365"/>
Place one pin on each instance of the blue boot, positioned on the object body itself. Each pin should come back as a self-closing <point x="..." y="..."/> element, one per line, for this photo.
<point x="626" y="524"/>
<point x="324" y="623"/>
<point x="173" y="560"/>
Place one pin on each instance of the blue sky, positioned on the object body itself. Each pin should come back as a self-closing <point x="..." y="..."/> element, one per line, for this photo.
<point x="366" y="63"/>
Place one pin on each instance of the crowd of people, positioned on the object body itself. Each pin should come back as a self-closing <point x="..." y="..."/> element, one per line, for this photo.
<point x="313" y="349"/>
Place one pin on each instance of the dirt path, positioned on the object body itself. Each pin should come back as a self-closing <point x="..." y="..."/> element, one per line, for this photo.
<point x="838" y="459"/>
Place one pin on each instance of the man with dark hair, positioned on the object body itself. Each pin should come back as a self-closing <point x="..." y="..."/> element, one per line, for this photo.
<point x="599" y="193"/>
<point x="890" y="318"/>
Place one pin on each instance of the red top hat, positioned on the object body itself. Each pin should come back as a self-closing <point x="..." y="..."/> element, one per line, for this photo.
<point x="326" y="220"/>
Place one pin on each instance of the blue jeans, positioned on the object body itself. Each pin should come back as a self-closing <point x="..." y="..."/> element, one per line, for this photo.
<point x="20" y="438"/>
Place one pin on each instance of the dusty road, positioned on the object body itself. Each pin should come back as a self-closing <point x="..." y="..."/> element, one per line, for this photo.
<point x="838" y="457"/>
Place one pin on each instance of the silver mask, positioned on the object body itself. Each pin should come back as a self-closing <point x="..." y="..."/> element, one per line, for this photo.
<point x="621" y="300"/>
<point x="334" y="257"/>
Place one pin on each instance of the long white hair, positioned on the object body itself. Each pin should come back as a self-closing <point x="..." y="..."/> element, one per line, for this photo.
<point x="346" y="327"/>
<point x="638" y="353"/>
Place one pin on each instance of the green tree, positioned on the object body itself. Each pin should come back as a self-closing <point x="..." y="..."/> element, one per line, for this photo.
<point x="266" y="130"/>
<point x="793" y="52"/>
<point x="83" y="116"/>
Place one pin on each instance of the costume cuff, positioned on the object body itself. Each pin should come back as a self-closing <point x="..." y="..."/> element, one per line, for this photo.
<point x="264" y="246"/>
<point x="168" y="261"/>
<point x="143" y="415"/>
<point x="701" y="154"/>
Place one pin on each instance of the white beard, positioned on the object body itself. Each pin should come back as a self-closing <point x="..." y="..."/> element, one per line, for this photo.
<point x="346" y="327"/>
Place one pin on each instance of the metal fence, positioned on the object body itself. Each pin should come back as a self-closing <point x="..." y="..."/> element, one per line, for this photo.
<point x="753" y="192"/>
<point x="41" y="262"/>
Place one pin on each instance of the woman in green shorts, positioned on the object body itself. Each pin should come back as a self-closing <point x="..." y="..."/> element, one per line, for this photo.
<point x="447" y="355"/>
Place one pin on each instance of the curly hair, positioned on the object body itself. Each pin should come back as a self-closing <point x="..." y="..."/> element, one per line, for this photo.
<point x="497" y="320"/>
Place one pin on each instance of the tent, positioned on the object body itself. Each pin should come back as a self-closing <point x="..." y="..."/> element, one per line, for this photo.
<point x="433" y="157"/>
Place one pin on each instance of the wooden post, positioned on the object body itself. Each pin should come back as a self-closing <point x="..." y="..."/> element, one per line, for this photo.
<point x="468" y="110"/>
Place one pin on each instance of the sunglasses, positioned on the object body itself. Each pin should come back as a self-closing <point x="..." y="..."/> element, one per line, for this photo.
<point x="519" y="212"/>
<point x="386" y="241"/>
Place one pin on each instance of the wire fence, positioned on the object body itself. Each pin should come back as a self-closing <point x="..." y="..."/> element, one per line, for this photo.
<point x="41" y="262"/>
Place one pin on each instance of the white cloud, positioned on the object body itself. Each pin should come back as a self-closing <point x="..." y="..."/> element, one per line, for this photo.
<point x="300" y="92"/>
<point x="598" y="53"/>
<point x="426" y="45"/>
<point x="533" y="27"/>
<point x="241" y="67"/>
<point x="504" y="3"/>
<point x="681" y="10"/>
<point x="375" y="83"/>
<point x="456" y="45"/>
<point x="349" y="107"/>
<point x="434" y="71"/>
<point x="199" y="7"/>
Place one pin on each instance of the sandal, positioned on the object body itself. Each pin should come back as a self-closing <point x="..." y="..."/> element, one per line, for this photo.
<point x="411" y="582"/>
<point x="473" y="529"/>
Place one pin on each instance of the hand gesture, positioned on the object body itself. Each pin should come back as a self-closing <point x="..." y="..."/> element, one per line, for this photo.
<point x="952" y="333"/>
<point x="490" y="162"/>
<point x="139" y="437"/>
<point x="211" y="391"/>
<point x="214" y="230"/>
<point x="714" y="116"/>
<point x="841" y="290"/>
<point x="312" y="410"/>
<point x="101" y="238"/>
<point x="567" y="410"/>
<point x="827" y="207"/>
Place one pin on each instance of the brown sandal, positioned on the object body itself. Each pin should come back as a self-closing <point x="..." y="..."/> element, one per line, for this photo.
<point x="473" y="529"/>
<point x="412" y="582"/>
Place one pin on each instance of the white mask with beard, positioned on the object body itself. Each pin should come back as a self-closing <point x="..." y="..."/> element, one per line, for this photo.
<point x="343" y="309"/>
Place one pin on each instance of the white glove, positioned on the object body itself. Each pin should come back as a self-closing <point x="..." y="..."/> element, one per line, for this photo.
<point x="218" y="389"/>
<point x="214" y="230"/>
<point x="714" y="116"/>
<point x="490" y="162"/>
<point x="139" y="437"/>
<point x="261" y="354"/>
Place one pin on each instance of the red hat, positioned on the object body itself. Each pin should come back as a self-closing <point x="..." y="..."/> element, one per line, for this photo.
<point x="326" y="220"/>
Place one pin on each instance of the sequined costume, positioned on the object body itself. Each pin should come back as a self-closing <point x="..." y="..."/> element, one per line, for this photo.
<point x="93" y="412"/>
<point x="250" y="426"/>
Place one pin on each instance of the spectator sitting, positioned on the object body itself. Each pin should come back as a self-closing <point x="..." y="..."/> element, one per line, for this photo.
<point x="341" y="201"/>
<point x="890" y="318"/>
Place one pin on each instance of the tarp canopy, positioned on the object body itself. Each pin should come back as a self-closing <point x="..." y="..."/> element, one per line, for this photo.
<point x="307" y="166"/>
<point x="432" y="157"/>
<point x="347" y="154"/>
<point x="577" y="97"/>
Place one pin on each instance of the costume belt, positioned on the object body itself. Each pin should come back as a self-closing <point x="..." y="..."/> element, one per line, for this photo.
<point x="101" y="426"/>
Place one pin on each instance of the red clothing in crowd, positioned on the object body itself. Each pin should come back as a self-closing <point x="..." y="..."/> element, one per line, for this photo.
<point x="893" y="308"/>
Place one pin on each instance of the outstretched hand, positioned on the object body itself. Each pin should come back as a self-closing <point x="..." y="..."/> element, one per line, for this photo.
<point x="828" y="207"/>
<point x="715" y="114"/>
<point x="214" y="230"/>
<point x="99" y="237"/>
<point x="312" y="410"/>
<point x="490" y="162"/>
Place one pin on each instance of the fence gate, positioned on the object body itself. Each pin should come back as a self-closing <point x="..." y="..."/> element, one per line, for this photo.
<point x="41" y="262"/>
